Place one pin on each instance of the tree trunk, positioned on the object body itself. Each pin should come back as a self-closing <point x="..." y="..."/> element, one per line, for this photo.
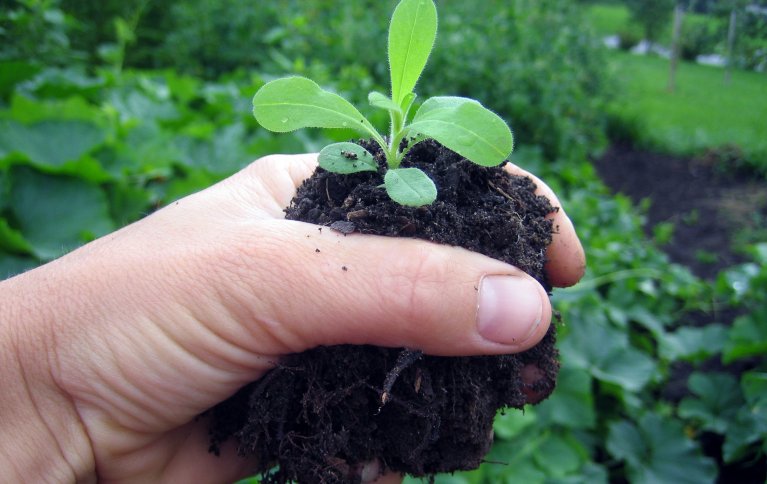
<point x="730" y="44"/>
<point x="678" y="15"/>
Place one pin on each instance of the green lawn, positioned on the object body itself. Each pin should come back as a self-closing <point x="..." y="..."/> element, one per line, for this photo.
<point x="703" y="112"/>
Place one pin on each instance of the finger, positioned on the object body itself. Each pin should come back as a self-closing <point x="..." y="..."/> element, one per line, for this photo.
<point x="270" y="183"/>
<point x="311" y="286"/>
<point x="278" y="177"/>
<point x="193" y="462"/>
<point x="566" y="259"/>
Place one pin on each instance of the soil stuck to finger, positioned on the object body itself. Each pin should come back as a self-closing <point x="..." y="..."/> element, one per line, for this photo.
<point x="322" y="414"/>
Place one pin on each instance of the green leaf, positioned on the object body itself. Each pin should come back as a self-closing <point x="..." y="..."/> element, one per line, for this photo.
<point x="750" y="426"/>
<point x="382" y="101"/>
<point x="510" y="423"/>
<point x="407" y="103"/>
<point x="57" y="214"/>
<point x="12" y="240"/>
<point x="718" y="400"/>
<point x="748" y="336"/>
<point x="605" y="352"/>
<point x="292" y="103"/>
<point x="10" y="265"/>
<point x="560" y="455"/>
<point x="222" y="154"/>
<point x="693" y="344"/>
<point x="656" y="451"/>
<point x="51" y="144"/>
<point x="572" y="405"/>
<point x="412" y="32"/>
<point x="410" y="187"/>
<point x="29" y="110"/>
<point x="466" y="127"/>
<point x="11" y="73"/>
<point x="346" y="158"/>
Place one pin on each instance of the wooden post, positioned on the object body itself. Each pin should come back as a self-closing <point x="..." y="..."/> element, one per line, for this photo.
<point x="730" y="44"/>
<point x="678" y="14"/>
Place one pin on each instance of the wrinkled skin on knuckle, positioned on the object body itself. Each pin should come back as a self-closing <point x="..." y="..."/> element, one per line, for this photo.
<point x="411" y="287"/>
<point x="255" y="279"/>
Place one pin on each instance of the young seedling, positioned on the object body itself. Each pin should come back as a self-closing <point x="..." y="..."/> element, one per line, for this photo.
<point x="461" y="124"/>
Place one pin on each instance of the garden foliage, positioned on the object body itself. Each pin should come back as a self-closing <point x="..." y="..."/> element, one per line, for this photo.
<point x="90" y="142"/>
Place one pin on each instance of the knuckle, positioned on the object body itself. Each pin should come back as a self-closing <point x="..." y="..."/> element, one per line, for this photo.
<point x="413" y="283"/>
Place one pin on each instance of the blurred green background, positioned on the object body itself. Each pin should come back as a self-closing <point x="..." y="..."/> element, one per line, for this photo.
<point x="110" y="109"/>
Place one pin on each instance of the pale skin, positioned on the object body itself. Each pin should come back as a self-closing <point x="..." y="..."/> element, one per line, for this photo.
<point x="109" y="353"/>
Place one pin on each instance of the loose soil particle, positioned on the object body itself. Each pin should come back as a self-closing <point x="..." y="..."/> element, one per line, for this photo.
<point x="320" y="415"/>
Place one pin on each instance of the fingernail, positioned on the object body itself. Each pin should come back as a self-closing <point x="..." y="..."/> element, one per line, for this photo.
<point x="509" y="309"/>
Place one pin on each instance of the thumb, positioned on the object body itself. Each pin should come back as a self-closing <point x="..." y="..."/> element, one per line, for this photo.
<point x="329" y="289"/>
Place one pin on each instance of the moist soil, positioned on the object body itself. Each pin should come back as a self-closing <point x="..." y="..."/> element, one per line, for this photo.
<point x="708" y="206"/>
<point x="320" y="415"/>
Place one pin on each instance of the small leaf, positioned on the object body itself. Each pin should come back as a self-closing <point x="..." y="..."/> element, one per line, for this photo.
<point x="466" y="127"/>
<point x="346" y="158"/>
<point x="412" y="32"/>
<point x="292" y="103"/>
<point x="407" y="102"/>
<point x="379" y="100"/>
<point x="410" y="187"/>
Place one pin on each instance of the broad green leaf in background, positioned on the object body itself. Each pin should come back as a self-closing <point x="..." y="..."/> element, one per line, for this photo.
<point x="56" y="214"/>
<point x="410" y="187"/>
<point x="11" y="73"/>
<point x="129" y="201"/>
<point x="222" y="154"/>
<point x="572" y="404"/>
<point x="292" y="103"/>
<point x="508" y="424"/>
<point x="466" y="127"/>
<point x="748" y="336"/>
<point x="12" y="240"/>
<point x="605" y="352"/>
<point x="750" y="426"/>
<point x="27" y="110"/>
<point x="412" y="32"/>
<point x="10" y="265"/>
<point x="560" y="455"/>
<point x="346" y="158"/>
<point x="693" y="343"/>
<point x="657" y="451"/>
<point x="716" y="402"/>
<point x="134" y="104"/>
<point x="53" y="143"/>
<point x="747" y="432"/>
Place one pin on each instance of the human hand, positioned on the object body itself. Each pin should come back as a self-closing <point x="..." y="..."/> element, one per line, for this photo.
<point x="112" y="351"/>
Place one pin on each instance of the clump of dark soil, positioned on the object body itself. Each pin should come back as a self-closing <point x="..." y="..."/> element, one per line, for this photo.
<point x="320" y="415"/>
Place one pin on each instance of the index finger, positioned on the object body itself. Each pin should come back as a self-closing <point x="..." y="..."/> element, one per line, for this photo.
<point x="565" y="258"/>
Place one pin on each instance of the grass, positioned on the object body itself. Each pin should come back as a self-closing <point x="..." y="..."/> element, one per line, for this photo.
<point x="702" y="113"/>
